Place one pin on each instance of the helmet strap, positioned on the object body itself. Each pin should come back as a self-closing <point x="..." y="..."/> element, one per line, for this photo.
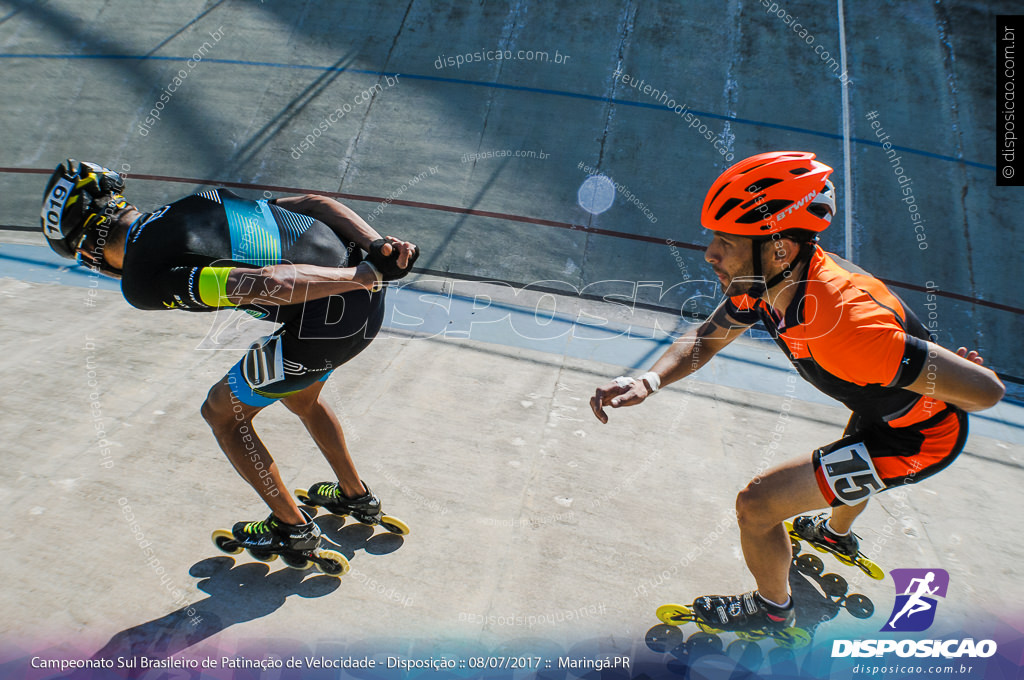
<point x="759" y="288"/>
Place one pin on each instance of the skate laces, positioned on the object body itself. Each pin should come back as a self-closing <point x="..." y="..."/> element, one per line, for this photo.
<point x="256" y="527"/>
<point x="328" y="490"/>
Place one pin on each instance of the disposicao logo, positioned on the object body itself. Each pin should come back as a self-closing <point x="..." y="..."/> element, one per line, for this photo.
<point x="913" y="612"/>
<point x="916" y="590"/>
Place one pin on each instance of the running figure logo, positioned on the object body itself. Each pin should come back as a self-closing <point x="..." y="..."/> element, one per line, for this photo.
<point x="914" y="609"/>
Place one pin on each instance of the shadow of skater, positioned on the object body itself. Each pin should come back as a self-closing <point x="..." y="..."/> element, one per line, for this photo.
<point x="348" y="538"/>
<point x="238" y="593"/>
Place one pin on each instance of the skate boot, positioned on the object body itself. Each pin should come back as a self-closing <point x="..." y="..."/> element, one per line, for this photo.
<point x="748" y="616"/>
<point x="815" y="531"/>
<point x="364" y="509"/>
<point x="846" y="549"/>
<point x="746" y="612"/>
<point x="297" y="544"/>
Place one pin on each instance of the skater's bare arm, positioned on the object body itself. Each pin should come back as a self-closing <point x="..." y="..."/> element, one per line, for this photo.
<point x="958" y="379"/>
<point x="289" y="284"/>
<point x="342" y="220"/>
<point x="685" y="356"/>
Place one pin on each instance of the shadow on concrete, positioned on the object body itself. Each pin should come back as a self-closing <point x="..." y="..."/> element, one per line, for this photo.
<point x="243" y="592"/>
<point x="353" y="536"/>
<point x="237" y="593"/>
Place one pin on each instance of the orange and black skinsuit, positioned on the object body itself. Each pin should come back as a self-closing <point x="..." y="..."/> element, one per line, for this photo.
<point x="854" y="340"/>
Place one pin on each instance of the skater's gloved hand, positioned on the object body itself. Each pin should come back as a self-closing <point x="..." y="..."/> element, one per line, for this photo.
<point x="392" y="257"/>
<point x="619" y="392"/>
<point x="970" y="356"/>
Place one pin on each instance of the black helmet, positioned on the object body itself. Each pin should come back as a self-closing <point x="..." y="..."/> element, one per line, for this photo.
<point x="72" y="204"/>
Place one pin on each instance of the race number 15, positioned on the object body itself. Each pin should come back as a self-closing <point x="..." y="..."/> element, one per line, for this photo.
<point x="850" y="473"/>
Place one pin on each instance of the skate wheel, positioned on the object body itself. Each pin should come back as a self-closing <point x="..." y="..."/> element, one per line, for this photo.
<point x="792" y="638"/>
<point x="751" y="635"/>
<point x="795" y="545"/>
<point x="303" y="496"/>
<point x="332" y="563"/>
<point x="810" y="564"/>
<point x="226" y="542"/>
<point x="296" y="561"/>
<point x="705" y="628"/>
<point x="871" y="569"/>
<point x="394" y="525"/>
<point x="834" y="585"/>
<point x="859" y="606"/>
<point x="262" y="555"/>
<point x="674" y="614"/>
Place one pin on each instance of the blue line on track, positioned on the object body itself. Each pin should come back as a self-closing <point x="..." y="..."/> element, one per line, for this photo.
<point x="516" y="88"/>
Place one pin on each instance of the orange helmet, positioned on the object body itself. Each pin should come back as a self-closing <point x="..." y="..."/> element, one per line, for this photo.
<point x="770" y="193"/>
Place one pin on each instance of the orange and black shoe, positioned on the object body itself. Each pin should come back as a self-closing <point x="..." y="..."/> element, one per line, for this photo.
<point x="815" y="531"/>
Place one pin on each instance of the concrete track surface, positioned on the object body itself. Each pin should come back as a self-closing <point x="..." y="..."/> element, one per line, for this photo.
<point x="536" y="531"/>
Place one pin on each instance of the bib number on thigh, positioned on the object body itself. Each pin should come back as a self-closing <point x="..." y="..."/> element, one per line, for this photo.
<point x="850" y="474"/>
<point x="264" y="362"/>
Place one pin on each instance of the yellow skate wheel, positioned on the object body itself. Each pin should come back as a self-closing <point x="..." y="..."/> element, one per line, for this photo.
<point x="848" y="561"/>
<point x="333" y="564"/>
<point x="226" y="542"/>
<point x="871" y="569"/>
<point x="674" y="614"/>
<point x="302" y="495"/>
<point x="792" y="638"/>
<point x="705" y="628"/>
<point x="394" y="525"/>
<point x="263" y="556"/>
<point x="751" y="635"/>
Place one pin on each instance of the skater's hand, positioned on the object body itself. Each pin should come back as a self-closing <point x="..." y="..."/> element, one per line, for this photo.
<point x="970" y="356"/>
<point x="616" y="396"/>
<point x="392" y="257"/>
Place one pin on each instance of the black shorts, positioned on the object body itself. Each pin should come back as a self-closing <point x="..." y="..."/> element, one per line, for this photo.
<point x="875" y="455"/>
<point x="325" y="334"/>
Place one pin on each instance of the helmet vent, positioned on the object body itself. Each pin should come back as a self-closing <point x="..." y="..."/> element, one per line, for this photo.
<point x="764" y="211"/>
<point x="726" y="207"/>
<point x="763" y="184"/>
<point x="752" y="201"/>
<point x="820" y="210"/>
<point x="799" y="171"/>
<point x="720" y="190"/>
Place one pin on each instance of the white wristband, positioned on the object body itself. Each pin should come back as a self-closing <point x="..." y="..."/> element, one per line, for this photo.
<point x="653" y="379"/>
<point x="376" y="272"/>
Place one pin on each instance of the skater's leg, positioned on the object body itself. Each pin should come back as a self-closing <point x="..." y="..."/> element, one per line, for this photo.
<point x="843" y="516"/>
<point x="784" y="491"/>
<point x="325" y="429"/>
<point x="231" y="422"/>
